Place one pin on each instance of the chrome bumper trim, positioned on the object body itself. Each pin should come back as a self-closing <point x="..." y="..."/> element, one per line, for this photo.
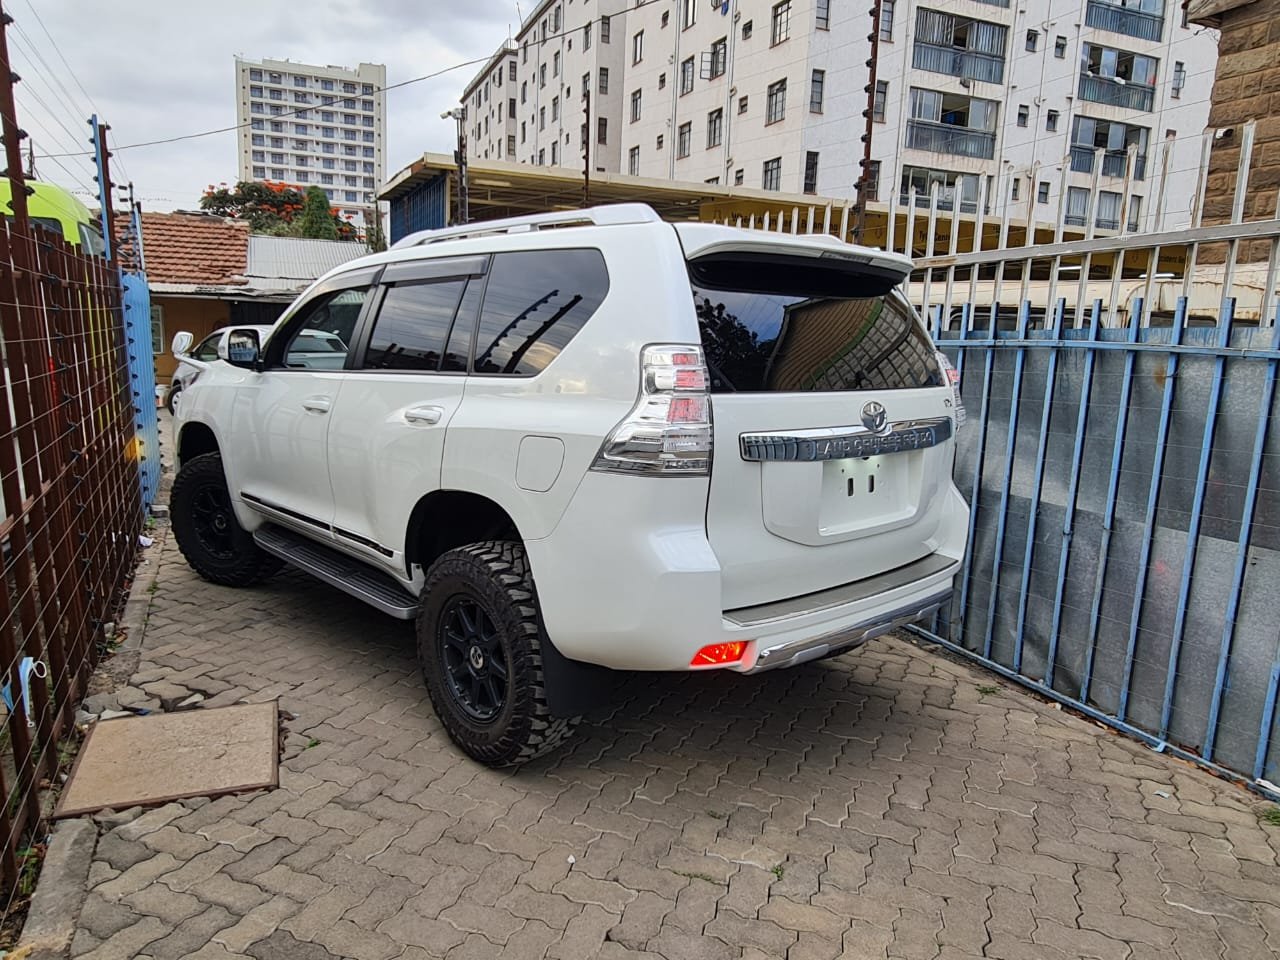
<point x="843" y="443"/>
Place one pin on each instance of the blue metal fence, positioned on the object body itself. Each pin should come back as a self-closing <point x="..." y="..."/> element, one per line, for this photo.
<point x="142" y="383"/>
<point x="1125" y="528"/>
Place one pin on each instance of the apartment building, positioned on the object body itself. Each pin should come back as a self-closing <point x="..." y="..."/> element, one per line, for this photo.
<point x="981" y="100"/>
<point x="305" y="125"/>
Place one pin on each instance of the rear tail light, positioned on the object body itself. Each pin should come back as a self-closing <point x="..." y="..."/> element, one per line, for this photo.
<point x="668" y="431"/>
<point x="720" y="654"/>
<point x="953" y="379"/>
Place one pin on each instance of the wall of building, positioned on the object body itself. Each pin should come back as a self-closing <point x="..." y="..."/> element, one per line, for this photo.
<point x="1037" y="98"/>
<point x="1247" y="87"/>
<point x="331" y="122"/>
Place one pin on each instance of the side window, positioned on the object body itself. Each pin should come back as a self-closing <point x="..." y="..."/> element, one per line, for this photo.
<point x="535" y="303"/>
<point x="208" y="349"/>
<point x="412" y="326"/>
<point x="322" y="335"/>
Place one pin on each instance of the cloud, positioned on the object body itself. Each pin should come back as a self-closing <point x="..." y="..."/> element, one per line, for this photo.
<point x="155" y="70"/>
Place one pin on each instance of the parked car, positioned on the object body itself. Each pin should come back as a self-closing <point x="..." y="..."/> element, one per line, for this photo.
<point x="569" y="444"/>
<point x="316" y="349"/>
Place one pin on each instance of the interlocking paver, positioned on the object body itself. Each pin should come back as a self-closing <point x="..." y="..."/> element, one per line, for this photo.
<point x="872" y="806"/>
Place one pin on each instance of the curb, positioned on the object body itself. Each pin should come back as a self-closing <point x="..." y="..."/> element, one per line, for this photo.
<point x="60" y="892"/>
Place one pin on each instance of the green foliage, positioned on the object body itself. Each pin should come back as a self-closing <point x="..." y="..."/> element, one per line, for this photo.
<point x="316" y="222"/>
<point x="1272" y="817"/>
<point x="374" y="237"/>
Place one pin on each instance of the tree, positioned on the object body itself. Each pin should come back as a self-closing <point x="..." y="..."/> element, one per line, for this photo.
<point x="278" y="209"/>
<point x="316" y="221"/>
<point x="374" y="238"/>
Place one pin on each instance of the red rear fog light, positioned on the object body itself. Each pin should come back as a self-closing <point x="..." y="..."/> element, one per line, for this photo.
<point x="719" y="654"/>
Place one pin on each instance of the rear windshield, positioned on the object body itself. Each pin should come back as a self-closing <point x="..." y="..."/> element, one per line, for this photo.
<point x="797" y="339"/>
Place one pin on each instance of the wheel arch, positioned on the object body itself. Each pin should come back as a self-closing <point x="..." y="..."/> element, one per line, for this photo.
<point x="444" y="519"/>
<point x="196" y="439"/>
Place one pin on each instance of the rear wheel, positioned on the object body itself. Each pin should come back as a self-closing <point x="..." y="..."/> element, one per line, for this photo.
<point x="206" y="529"/>
<point x="480" y="649"/>
<point x="171" y="400"/>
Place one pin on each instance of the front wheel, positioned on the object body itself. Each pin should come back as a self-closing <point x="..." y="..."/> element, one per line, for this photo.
<point x="172" y="399"/>
<point x="207" y="531"/>
<point x="480" y="649"/>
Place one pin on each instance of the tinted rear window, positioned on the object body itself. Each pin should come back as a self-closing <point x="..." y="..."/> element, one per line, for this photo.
<point x="793" y="340"/>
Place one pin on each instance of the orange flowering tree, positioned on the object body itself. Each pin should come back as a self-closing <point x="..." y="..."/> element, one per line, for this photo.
<point x="273" y="207"/>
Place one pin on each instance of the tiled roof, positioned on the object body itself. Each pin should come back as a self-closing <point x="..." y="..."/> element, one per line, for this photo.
<point x="195" y="248"/>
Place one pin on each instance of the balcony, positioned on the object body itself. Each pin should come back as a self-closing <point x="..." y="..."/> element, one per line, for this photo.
<point x="996" y="3"/>
<point x="1118" y="19"/>
<point x="1113" y="162"/>
<point x="952" y="139"/>
<point x="946" y="201"/>
<point x="1131" y="96"/>
<point x="985" y="67"/>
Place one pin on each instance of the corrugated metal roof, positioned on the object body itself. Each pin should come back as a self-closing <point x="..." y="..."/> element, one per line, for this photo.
<point x="289" y="258"/>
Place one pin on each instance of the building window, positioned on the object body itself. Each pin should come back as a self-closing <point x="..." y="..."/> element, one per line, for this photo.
<point x="780" y="23"/>
<point x="633" y="161"/>
<point x="1042" y="192"/>
<point x="1016" y="189"/>
<point x="555" y="20"/>
<point x="511" y="108"/>
<point x="816" y="83"/>
<point x="635" y="105"/>
<point x="657" y="144"/>
<point x="880" y="101"/>
<point x="719" y="57"/>
<point x="1179" y="79"/>
<point x="822" y="19"/>
<point x="255" y="91"/>
<point x="776" y="102"/>
<point x="811" y="171"/>
<point x="259" y="172"/>
<point x="542" y="118"/>
<point x="259" y="140"/>
<point x="746" y="32"/>
<point x="886" y="19"/>
<point x="255" y="75"/>
<point x="715" y="128"/>
<point x="602" y="130"/>
<point x="555" y="64"/>
<point x="737" y="177"/>
<point x="604" y="29"/>
<point x="686" y="76"/>
<point x="742" y="105"/>
<point x="555" y="109"/>
<point x="666" y="19"/>
<point x="662" y="81"/>
<point x="637" y="47"/>
<point x="586" y="36"/>
<point x="542" y="75"/>
<point x="1060" y="47"/>
<point x="157" y="329"/>
<point x="1033" y="40"/>
<point x="555" y="155"/>
<point x="1024" y="114"/>
<point x="542" y="158"/>
<point x="277" y="173"/>
<point x="524" y="134"/>
<point x="327" y="178"/>
<point x="603" y="86"/>
<point x="688" y="13"/>
<point x="511" y="71"/>
<point x="511" y="144"/>
<point x="771" y="177"/>
<point x="684" y="140"/>
<point x="1051" y="121"/>
<point x="524" y="92"/>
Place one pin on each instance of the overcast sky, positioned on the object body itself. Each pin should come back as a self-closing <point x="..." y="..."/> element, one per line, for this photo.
<point x="164" y="68"/>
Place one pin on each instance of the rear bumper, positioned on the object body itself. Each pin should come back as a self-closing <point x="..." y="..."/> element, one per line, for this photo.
<point x="619" y="592"/>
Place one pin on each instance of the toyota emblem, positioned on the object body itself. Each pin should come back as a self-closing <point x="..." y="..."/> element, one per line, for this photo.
<point x="874" y="418"/>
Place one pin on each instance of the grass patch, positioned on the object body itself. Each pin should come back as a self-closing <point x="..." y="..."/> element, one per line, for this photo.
<point x="313" y="742"/>
<point x="988" y="690"/>
<point x="1272" y="816"/>
<point x="778" y="872"/>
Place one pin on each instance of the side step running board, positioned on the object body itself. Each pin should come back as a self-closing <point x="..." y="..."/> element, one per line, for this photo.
<point x="339" y="570"/>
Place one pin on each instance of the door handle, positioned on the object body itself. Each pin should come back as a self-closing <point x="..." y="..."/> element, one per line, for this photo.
<point x="316" y="404"/>
<point x="424" y="414"/>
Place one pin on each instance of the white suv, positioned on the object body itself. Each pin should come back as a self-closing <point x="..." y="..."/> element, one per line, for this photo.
<point x="570" y="442"/>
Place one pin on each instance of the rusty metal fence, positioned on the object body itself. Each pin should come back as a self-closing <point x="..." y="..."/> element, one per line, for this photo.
<point x="70" y="506"/>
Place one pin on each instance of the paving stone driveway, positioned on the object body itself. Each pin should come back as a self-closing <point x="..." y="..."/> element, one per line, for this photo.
<point x="886" y="803"/>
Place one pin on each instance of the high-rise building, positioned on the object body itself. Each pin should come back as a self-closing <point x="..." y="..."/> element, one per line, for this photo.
<point x="978" y="100"/>
<point x="306" y="125"/>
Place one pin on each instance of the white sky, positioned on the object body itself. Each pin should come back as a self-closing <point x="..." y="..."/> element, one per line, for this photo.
<point x="154" y="69"/>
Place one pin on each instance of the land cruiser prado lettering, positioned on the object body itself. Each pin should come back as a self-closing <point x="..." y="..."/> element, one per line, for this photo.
<point x="577" y="442"/>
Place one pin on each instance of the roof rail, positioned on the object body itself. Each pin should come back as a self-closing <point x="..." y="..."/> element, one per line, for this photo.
<point x="603" y="216"/>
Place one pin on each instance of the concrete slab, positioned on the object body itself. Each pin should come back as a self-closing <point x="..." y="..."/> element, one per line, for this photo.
<point x="153" y="759"/>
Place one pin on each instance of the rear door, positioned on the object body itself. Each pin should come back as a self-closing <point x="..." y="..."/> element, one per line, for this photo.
<point x="387" y="434"/>
<point x="832" y="459"/>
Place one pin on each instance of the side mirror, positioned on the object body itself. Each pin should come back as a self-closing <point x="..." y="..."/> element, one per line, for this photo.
<point x="243" y="348"/>
<point x="181" y="343"/>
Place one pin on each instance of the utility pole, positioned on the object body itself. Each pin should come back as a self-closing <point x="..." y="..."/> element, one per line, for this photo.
<point x="102" y="158"/>
<point x="13" y="138"/>
<point x="864" y="175"/>
<point x="586" y="147"/>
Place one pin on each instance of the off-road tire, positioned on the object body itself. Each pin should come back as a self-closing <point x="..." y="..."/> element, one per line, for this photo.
<point x="495" y="575"/>
<point x="239" y="562"/>
<point x="171" y="396"/>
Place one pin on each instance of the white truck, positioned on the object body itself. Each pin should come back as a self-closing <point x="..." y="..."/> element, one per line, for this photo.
<point x="574" y="443"/>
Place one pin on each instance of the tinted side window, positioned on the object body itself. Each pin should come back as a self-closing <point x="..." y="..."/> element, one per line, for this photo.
<point x="535" y="302"/>
<point x="322" y="332"/>
<point x="412" y="326"/>
<point x="208" y="349"/>
<point x="464" y="325"/>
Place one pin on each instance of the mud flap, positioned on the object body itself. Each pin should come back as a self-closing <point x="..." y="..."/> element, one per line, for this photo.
<point x="574" y="688"/>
